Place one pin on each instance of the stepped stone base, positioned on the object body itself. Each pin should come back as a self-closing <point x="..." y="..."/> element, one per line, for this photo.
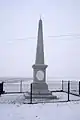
<point x="40" y="90"/>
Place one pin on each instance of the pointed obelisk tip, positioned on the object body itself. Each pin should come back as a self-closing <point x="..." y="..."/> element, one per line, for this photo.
<point x="40" y="21"/>
<point x="40" y="18"/>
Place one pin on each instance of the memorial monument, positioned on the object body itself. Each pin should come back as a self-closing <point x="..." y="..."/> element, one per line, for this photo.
<point x="39" y="85"/>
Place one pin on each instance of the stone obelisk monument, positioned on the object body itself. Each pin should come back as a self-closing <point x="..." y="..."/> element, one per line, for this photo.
<point x="39" y="68"/>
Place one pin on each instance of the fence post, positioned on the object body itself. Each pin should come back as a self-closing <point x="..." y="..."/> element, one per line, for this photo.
<point x="79" y="87"/>
<point x="68" y="90"/>
<point x="62" y="85"/>
<point x="31" y="94"/>
<point x="1" y="88"/>
<point x="21" y="86"/>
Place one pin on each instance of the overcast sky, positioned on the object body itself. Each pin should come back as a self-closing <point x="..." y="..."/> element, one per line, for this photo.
<point x="19" y="21"/>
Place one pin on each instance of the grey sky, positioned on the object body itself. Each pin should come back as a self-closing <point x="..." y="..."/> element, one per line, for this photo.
<point x="19" y="20"/>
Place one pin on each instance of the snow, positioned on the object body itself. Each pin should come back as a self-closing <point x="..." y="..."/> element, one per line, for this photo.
<point x="20" y="98"/>
<point x="14" y="107"/>
<point x="49" y="111"/>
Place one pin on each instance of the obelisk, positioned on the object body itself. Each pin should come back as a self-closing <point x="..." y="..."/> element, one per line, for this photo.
<point x="39" y="68"/>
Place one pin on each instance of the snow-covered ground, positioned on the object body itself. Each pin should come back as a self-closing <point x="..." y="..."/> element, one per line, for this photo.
<point x="47" y="111"/>
<point x="20" y="98"/>
<point x="14" y="107"/>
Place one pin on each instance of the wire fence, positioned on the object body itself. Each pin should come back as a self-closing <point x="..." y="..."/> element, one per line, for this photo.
<point x="16" y="87"/>
<point x="74" y="87"/>
<point x="61" y="91"/>
<point x="57" y="91"/>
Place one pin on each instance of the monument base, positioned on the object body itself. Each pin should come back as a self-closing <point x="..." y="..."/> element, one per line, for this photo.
<point x="40" y="90"/>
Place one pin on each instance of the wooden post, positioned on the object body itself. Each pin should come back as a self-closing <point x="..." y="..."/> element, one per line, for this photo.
<point x="68" y="90"/>
<point x="79" y="87"/>
<point x="31" y="94"/>
<point x="62" y="85"/>
<point x="1" y="88"/>
<point x="21" y="86"/>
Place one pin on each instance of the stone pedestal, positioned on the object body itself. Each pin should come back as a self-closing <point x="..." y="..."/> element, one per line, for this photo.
<point x="40" y="88"/>
<point x="40" y="91"/>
